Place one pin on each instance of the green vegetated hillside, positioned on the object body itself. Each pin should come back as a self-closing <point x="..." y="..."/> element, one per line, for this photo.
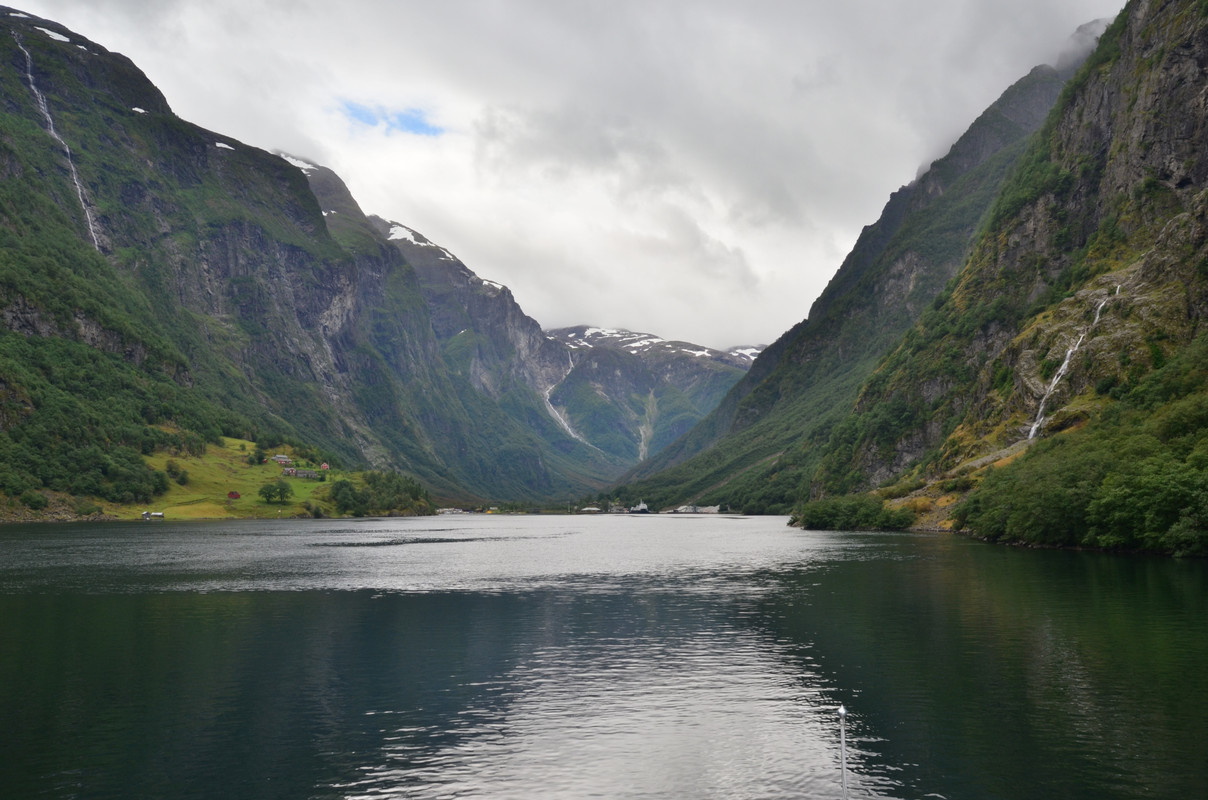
<point x="1070" y="350"/>
<point x="762" y="444"/>
<point x="236" y="478"/>
<point x="89" y="374"/>
<point x="162" y="286"/>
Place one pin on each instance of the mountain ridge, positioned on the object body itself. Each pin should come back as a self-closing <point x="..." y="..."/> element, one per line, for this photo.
<point x="759" y="447"/>
<point x="489" y="338"/>
<point x="1015" y="346"/>
<point x="1055" y="392"/>
<point x="232" y="292"/>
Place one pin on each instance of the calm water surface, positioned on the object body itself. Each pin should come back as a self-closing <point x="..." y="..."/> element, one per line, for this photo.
<point x="576" y="657"/>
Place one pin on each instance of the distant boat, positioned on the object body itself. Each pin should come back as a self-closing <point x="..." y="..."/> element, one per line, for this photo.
<point x="640" y="508"/>
<point x="150" y="515"/>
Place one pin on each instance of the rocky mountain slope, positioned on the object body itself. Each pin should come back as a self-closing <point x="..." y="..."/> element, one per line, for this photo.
<point x="649" y="391"/>
<point x="220" y="257"/>
<point x="162" y="285"/>
<point x="632" y="394"/>
<point x="764" y="440"/>
<point x="1069" y="349"/>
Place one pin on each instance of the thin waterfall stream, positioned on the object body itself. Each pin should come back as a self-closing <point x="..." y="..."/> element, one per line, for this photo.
<point x="1065" y="365"/>
<point x="556" y="414"/>
<point x="50" y="127"/>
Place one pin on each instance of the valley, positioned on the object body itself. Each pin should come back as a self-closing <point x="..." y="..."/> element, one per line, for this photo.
<point x="1031" y="302"/>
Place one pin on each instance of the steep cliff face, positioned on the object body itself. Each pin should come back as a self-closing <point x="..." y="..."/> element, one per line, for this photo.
<point x="1078" y="307"/>
<point x="764" y="440"/>
<point x="234" y="291"/>
<point x="500" y="362"/>
<point x="1089" y="279"/>
<point x="216" y="251"/>
<point x="484" y="331"/>
<point x="607" y="398"/>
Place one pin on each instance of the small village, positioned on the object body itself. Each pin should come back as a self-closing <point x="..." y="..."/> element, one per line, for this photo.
<point x="642" y="508"/>
<point x="288" y="470"/>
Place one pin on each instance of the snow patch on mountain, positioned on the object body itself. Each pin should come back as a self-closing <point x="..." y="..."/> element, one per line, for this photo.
<point x="403" y="233"/>
<point x="584" y="337"/>
<point x="305" y="166"/>
<point x="749" y="353"/>
<point x="58" y="37"/>
<point x="636" y="342"/>
<point x="399" y="232"/>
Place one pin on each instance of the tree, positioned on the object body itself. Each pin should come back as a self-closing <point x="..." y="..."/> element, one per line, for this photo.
<point x="349" y="499"/>
<point x="257" y="456"/>
<point x="276" y="492"/>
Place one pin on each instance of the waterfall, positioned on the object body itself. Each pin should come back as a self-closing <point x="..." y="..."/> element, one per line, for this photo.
<point x="1065" y="365"/>
<point x="557" y="415"/>
<point x="40" y="99"/>
<point x="561" y="420"/>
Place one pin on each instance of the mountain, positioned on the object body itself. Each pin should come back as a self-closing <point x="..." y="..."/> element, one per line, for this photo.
<point x="761" y="445"/>
<point x="557" y="382"/>
<point x="266" y="321"/>
<point x="632" y="394"/>
<point x="1061" y="373"/>
<point x="162" y="286"/>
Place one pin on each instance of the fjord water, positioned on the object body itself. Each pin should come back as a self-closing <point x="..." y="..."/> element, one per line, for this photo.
<point x="566" y="657"/>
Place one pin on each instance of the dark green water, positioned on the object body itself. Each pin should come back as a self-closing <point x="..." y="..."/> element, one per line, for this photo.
<point x="590" y="657"/>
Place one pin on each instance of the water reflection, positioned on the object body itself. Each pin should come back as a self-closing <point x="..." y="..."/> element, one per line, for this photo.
<point x="993" y="672"/>
<point x="547" y="658"/>
<point x="616" y="698"/>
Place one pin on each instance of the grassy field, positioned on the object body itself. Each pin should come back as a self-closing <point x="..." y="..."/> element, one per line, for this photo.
<point x="224" y="469"/>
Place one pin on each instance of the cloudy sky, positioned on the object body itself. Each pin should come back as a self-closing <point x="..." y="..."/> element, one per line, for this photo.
<point x="692" y="168"/>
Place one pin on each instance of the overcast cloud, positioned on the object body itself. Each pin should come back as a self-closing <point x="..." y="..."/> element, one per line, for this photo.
<point x="696" y="169"/>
